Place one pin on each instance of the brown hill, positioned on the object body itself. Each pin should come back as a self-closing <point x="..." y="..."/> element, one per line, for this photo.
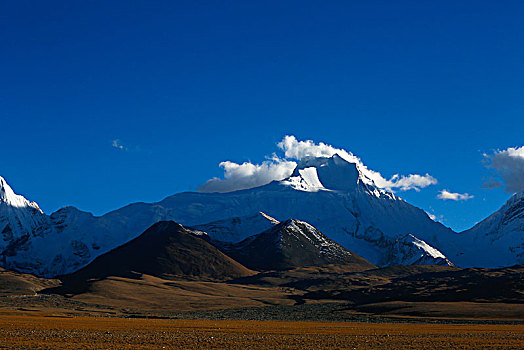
<point x="165" y="249"/>
<point x="14" y="283"/>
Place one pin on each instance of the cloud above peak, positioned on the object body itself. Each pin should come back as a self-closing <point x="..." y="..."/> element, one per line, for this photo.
<point x="508" y="165"/>
<point x="300" y="149"/>
<point x="247" y="175"/>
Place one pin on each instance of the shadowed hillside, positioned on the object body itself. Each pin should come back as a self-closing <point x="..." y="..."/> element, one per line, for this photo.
<point x="292" y="244"/>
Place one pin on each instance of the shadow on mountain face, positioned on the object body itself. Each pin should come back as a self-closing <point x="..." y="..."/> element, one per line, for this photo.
<point x="166" y="250"/>
<point x="288" y="245"/>
<point x="193" y="266"/>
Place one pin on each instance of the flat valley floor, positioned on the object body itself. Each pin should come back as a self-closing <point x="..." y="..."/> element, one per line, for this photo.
<point x="329" y="307"/>
<point x="41" y="332"/>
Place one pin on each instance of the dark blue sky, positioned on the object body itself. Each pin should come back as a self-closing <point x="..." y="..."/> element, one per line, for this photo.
<point x="408" y="86"/>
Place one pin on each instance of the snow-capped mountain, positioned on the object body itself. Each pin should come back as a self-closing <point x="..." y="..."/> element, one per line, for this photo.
<point x="329" y="174"/>
<point x="404" y="254"/>
<point x="291" y="244"/>
<point x="66" y="240"/>
<point x="20" y="220"/>
<point x="329" y="193"/>
<point x="499" y="237"/>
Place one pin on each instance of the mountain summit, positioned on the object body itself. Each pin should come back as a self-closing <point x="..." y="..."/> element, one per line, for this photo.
<point x="331" y="194"/>
<point x="501" y="233"/>
<point x="20" y="220"/>
<point x="165" y="249"/>
<point x="9" y="198"/>
<point x="291" y="244"/>
<point x="328" y="173"/>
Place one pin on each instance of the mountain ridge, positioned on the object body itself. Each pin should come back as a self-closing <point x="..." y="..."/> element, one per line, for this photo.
<point x="164" y="249"/>
<point x="291" y="244"/>
<point x="353" y="212"/>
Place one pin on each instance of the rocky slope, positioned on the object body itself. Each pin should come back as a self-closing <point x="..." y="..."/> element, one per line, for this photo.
<point x="291" y="244"/>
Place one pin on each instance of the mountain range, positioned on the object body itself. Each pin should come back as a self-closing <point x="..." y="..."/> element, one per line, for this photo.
<point x="329" y="194"/>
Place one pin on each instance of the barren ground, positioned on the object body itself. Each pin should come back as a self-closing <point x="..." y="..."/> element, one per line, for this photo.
<point x="38" y="332"/>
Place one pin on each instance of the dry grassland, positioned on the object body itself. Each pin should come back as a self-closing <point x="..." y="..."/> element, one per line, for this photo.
<point x="25" y="332"/>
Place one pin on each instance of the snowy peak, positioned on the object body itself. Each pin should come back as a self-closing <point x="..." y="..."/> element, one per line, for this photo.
<point x="333" y="194"/>
<point x="20" y="219"/>
<point x="510" y="214"/>
<point x="322" y="173"/>
<point x="5" y="190"/>
<point x="306" y="180"/>
<point x="514" y="208"/>
<point x="10" y="198"/>
<point x="293" y="231"/>
<point x="291" y="244"/>
<point x="500" y="234"/>
<point x="296" y="229"/>
<point x="426" y="254"/>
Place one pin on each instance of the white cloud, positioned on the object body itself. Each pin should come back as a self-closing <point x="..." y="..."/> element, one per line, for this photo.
<point x="410" y="182"/>
<point x="118" y="144"/>
<point x="300" y="149"/>
<point x="248" y="175"/>
<point x="436" y="218"/>
<point x="509" y="165"/>
<point x="445" y="194"/>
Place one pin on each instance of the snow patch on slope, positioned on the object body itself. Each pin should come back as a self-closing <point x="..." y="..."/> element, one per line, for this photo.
<point x="410" y="250"/>
<point x="428" y="255"/>
<point x="307" y="180"/>
<point x="426" y="248"/>
<point x="237" y="229"/>
<point x="326" y="246"/>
